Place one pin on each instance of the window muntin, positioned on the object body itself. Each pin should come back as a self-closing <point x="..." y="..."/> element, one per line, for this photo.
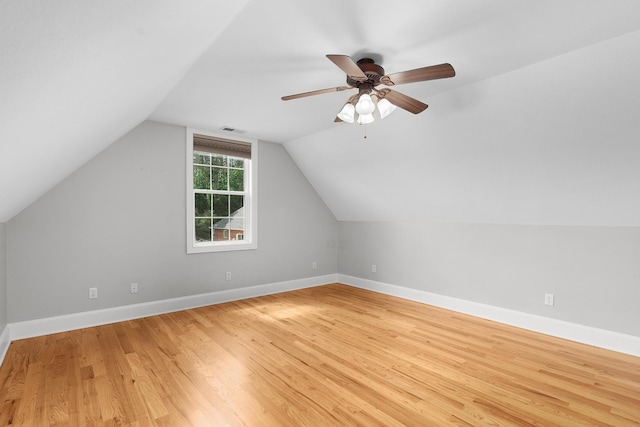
<point x="221" y="208"/>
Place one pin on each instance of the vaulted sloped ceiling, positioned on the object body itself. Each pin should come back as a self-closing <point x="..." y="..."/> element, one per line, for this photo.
<point x="75" y="75"/>
<point x="540" y="124"/>
<point x="557" y="142"/>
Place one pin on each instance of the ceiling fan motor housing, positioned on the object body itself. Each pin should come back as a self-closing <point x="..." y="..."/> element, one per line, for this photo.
<point x="372" y="70"/>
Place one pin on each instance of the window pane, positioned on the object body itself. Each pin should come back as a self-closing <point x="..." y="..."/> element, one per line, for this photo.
<point x="220" y="205"/>
<point x="201" y="159"/>
<point x="203" y="230"/>
<point x="201" y="177"/>
<point x="203" y="204"/>
<point x="236" y="203"/>
<point x="219" y="179"/>
<point x="229" y="228"/>
<point x="236" y="180"/>
<point x="236" y="219"/>
<point x="220" y="229"/>
<point x="236" y="163"/>
<point x="236" y="225"/>
<point x="218" y="160"/>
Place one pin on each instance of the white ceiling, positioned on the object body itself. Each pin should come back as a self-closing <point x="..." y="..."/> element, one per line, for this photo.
<point x="539" y="126"/>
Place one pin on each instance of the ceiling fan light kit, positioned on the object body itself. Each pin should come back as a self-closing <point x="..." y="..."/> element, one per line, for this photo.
<point x="365" y="119"/>
<point x="365" y="105"/>
<point x="385" y="108"/>
<point x="348" y="112"/>
<point x="369" y="78"/>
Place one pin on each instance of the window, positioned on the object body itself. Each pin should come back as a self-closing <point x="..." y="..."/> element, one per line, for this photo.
<point x="221" y="193"/>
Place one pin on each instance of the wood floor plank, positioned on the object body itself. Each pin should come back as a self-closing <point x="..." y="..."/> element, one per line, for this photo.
<point x="332" y="355"/>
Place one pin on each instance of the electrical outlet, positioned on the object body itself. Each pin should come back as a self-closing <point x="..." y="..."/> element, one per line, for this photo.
<point x="549" y="299"/>
<point x="134" y="288"/>
<point x="373" y="268"/>
<point x="314" y="265"/>
<point x="228" y="275"/>
<point x="93" y="293"/>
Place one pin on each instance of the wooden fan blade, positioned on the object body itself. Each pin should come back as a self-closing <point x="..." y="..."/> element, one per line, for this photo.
<point x="346" y="64"/>
<point x="405" y="102"/>
<point x="315" y="92"/>
<point x="432" y="72"/>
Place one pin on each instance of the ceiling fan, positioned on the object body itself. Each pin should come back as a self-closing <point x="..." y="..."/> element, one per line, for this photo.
<point x="369" y="78"/>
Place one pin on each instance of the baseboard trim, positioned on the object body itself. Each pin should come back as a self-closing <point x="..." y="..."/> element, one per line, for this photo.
<point x="5" y="340"/>
<point x="610" y="340"/>
<point x="602" y="338"/>
<point x="51" y="325"/>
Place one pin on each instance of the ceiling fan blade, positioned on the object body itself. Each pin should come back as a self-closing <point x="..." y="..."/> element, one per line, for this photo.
<point x="346" y="64"/>
<point x="315" y="92"/>
<point x="405" y="102"/>
<point x="432" y="72"/>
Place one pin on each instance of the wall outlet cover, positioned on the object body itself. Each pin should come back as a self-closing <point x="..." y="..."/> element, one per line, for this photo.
<point x="549" y="299"/>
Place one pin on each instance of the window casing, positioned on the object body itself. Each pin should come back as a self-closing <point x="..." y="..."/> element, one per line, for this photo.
<point x="221" y="192"/>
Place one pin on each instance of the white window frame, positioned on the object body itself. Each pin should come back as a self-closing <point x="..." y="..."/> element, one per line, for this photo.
<point x="250" y="233"/>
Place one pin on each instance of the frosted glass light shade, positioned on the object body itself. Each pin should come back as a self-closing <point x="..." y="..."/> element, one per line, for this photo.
<point x="365" y="105"/>
<point x="364" y="119"/>
<point x="347" y="114"/>
<point x="385" y="108"/>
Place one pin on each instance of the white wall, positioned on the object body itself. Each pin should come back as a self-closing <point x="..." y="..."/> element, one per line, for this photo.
<point x="3" y="277"/>
<point x="594" y="272"/>
<point x="4" y="329"/>
<point x="121" y="218"/>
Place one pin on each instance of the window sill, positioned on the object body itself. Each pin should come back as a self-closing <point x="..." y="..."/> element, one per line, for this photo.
<point x="223" y="247"/>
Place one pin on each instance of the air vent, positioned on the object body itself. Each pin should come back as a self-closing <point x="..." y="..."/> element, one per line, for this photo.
<point x="230" y="129"/>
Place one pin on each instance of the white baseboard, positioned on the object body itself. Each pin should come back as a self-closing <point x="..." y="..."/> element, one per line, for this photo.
<point x="610" y="340"/>
<point x="584" y="334"/>
<point x="5" y="340"/>
<point x="51" y="325"/>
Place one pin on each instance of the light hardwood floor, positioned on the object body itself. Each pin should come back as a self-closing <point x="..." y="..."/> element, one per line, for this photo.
<point x="327" y="356"/>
